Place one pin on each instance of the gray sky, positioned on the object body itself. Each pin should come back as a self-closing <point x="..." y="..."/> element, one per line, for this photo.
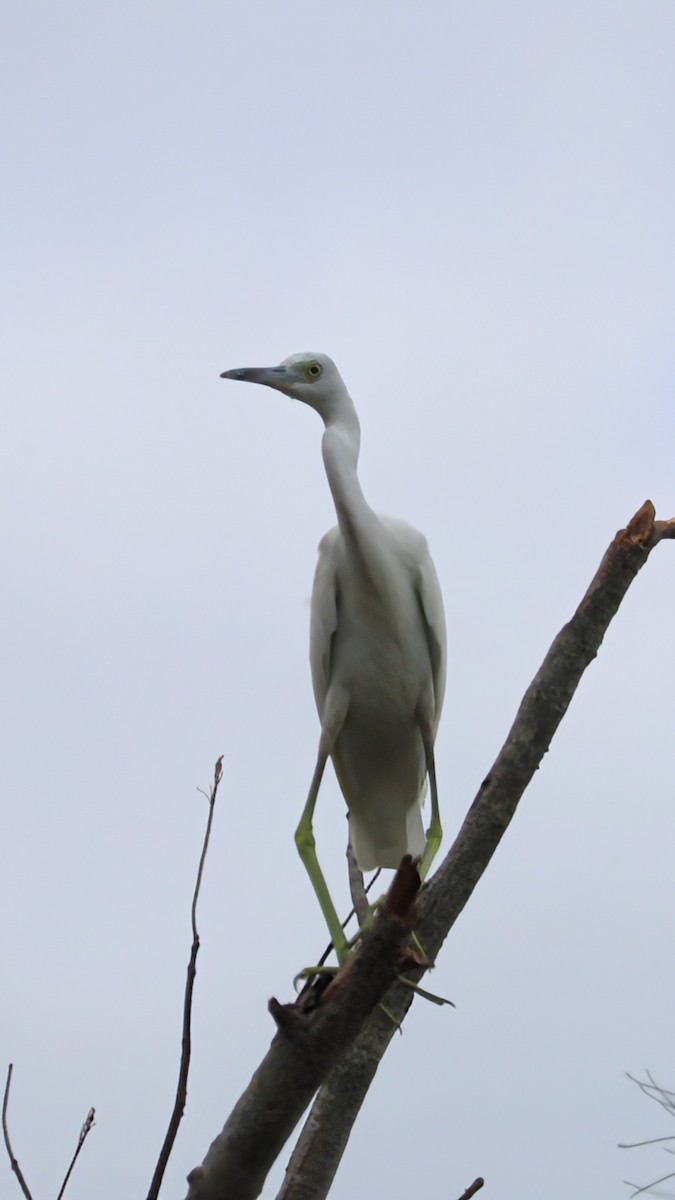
<point x="471" y="207"/>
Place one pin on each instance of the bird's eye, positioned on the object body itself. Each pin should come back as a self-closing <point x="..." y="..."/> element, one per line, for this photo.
<point x="314" y="369"/>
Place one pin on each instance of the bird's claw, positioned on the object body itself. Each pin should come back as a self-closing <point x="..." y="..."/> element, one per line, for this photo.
<point x="308" y="974"/>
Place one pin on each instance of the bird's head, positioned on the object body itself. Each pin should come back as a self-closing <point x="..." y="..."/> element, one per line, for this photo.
<point x="312" y="378"/>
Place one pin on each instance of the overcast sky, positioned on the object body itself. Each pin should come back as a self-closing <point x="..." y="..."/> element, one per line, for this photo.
<point x="471" y="207"/>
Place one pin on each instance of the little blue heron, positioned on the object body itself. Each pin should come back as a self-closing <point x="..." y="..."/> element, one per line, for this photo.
<point x="377" y="651"/>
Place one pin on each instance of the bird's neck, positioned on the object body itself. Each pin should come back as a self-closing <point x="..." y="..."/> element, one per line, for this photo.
<point x="340" y="447"/>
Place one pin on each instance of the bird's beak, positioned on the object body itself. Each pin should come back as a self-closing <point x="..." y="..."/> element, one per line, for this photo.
<point x="275" y="377"/>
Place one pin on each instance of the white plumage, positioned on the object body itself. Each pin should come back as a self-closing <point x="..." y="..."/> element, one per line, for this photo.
<point x="377" y="649"/>
<point x="377" y="645"/>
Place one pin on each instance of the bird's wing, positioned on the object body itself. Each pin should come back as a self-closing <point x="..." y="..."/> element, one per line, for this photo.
<point x="324" y="615"/>
<point x="413" y="549"/>
<point x="431" y="604"/>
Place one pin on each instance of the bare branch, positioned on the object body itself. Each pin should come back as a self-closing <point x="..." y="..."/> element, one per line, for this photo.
<point x="85" y="1130"/>
<point x="666" y="1099"/>
<point x="655" y="1092"/>
<point x="639" y="1191"/>
<point x="647" y="1142"/>
<point x="237" y="1165"/>
<point x="472" y="1189"/>
<point x="358" y="892"/>
<point x="13" y="1162"/>
<point x="186" y="1043"/>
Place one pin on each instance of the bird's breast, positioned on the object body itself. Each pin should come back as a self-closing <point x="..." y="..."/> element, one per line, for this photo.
<point x="382" y="660"/>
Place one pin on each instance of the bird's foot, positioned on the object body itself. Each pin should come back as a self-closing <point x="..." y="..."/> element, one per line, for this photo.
<point x="310" y="973"/>
<point x="324" y="970"/>
<point x="415" y="987"/>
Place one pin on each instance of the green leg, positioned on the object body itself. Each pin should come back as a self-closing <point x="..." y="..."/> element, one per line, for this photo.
<point x="304" y="840"/>
<point x="435" y="831"/>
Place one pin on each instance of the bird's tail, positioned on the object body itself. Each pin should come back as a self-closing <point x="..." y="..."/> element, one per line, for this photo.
<point x="382" y="843"/>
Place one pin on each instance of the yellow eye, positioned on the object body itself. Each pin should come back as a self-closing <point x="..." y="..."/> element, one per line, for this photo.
<point x="314" y="370"/>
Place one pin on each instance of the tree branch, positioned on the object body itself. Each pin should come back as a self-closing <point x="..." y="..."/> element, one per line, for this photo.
<point x="13" y="1162"/>
<point x="472" y="1189"/>
<point x="84" y="1132"/>
<point x="666" y="1099"/>
<point x="317" y="1047"/>
<point x="186" y="1042"/>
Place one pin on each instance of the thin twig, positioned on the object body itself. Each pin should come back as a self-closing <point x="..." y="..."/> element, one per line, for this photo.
<point x="356" y="887"/>
<point x="654" y="1084"/>
<point x="647" y="1142"/>
<point x="472" y="1189"/>
<point x="651" y="1086"/>
<point x="186" y="1043"/>
<point x="86" y="1128"/>
<point x="13" y="1162"/>
<point x="666" y="1099"/>
<point x="648" y="1186"/>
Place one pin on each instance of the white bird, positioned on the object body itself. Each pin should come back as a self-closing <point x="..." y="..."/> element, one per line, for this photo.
<point x="377" y="651"/>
